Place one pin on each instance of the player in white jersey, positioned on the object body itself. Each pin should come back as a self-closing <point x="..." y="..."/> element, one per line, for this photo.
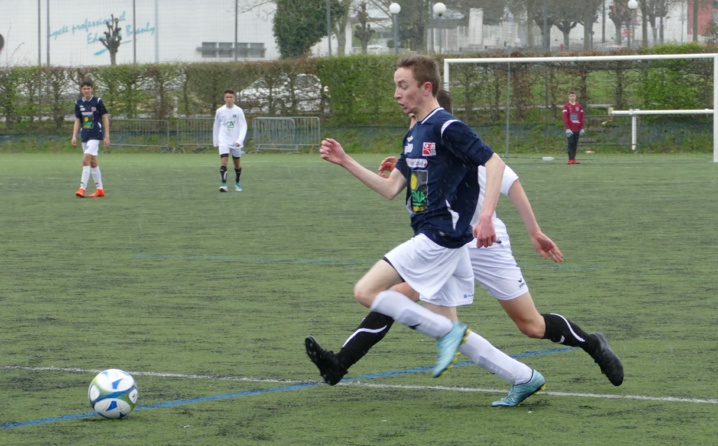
<point x="230" y="129"/>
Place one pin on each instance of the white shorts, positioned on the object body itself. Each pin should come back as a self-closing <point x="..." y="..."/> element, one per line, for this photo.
<point x="432" y="270"/>
<point x="235" y="151"/>
<point x="91" y="147"/>
<point x="496" y="270"/>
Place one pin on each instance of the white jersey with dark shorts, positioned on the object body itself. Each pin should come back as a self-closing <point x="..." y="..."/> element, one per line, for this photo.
<point x="229" y="131"/>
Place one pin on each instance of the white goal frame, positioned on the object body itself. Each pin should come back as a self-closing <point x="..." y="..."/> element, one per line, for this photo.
<point x="633" y="113"/>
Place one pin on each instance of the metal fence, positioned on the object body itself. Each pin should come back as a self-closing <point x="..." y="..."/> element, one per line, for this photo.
<point x="289" y="134"/>
<point x="140" y="133"/>
<point x="194" y="132"/>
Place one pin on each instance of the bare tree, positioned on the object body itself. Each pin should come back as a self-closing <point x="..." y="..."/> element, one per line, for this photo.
<point x="697" y="6"/>
<point x="363" y="30"/>
<point x="340" y="25"/>
<point x="112" y="38"/>
<point x="620" y="15"/>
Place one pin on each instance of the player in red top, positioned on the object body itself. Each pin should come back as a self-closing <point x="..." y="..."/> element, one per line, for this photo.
<point x="573" y="122"/>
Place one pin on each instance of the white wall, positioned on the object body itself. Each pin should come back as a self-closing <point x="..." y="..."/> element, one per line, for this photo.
<point x="167" y="30"/>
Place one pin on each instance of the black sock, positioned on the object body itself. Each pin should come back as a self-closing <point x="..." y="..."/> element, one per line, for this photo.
<point x="238" y="173"/>
<point x="223" y="173"/>
<point x="371" y="330"/>
<point x="562" y="331"/>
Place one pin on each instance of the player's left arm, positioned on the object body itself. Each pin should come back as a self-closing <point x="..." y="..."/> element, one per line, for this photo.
<point x="106" y="128"/>
<point x="484" y="231"/>
<point x="541" y="242"/>
<point x="242" y="129"/>
<point x="468" y="147"/>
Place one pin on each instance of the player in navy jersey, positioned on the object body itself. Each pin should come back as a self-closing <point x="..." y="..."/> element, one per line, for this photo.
<point x="93" y="123"/>
<point x="438" y="166"/>
<point x="497" y="271"/>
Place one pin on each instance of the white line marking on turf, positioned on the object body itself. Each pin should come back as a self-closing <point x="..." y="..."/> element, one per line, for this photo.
<point x="543" y="392"/>
<point x="369" y="385"/>
<point x="157" y="374"/>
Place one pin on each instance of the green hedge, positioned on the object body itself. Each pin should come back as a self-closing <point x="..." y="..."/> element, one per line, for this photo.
<point x="360" y="88"/>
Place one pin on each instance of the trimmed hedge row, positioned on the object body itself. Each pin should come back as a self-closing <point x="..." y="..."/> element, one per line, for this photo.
<point x="360" y="88"/>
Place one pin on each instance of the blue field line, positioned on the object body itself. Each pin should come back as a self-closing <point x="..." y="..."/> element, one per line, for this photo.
<point x="337" y="262"/>
<point x="254" y="259"/>
<point x="458" y="364"/>
<point x="259" y="391"/>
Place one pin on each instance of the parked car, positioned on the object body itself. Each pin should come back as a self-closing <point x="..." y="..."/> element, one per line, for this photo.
<point x="301" y="94"/>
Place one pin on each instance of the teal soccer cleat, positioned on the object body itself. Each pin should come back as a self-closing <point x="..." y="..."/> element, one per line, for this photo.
<point x="519" y="392"/>
<point x="448" y="346"/>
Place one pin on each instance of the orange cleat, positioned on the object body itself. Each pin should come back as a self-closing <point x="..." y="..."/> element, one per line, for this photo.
<point x="80" y="193"/>
<point x="98" y="193"/>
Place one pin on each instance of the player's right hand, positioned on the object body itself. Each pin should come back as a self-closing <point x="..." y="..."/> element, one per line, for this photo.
<point x="569" y="132"/>
<point x="332" y="151"/>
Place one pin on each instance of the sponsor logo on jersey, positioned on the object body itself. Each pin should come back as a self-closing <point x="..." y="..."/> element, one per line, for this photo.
<point x="428" y="149"/>
<point x="416" y="163"/>
<point x="408" y="147"/>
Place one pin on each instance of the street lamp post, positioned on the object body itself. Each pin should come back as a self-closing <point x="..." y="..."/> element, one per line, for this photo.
<point x="395" y="9"/>
<point x="439" y="10"/>
<point x="632" y="5"/>
<point x="329" y="27"/>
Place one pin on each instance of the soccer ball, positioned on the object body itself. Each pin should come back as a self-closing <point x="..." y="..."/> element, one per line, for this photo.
<point x="113" y="393"/>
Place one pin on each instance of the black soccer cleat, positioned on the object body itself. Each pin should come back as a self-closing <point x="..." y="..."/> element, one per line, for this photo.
<point x="325" y="360"/>
<point x="610" y="364"/>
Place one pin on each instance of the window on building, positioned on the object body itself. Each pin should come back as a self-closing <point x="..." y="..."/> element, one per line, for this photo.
<point x="244" y="50"/>
<point x="209" y="49"/>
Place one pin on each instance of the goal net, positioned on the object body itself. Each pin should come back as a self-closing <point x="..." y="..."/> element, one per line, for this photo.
<point x="517" y="102"/>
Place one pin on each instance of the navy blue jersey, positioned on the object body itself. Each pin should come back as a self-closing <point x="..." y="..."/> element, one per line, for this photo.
<point x="90" y="115"/>
<point x="440" y="163"/>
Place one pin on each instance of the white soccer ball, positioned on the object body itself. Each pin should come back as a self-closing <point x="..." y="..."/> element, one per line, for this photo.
<point x="113" y="393"/>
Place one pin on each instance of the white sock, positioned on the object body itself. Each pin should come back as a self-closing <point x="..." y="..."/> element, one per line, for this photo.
<point x="97" y="176"/>
<point x="85" y="176"/>
<point x="494" y="360"/>
<point x="406" y="312"/>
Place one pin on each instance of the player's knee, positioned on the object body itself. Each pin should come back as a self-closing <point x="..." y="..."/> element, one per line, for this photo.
<point x="533" y="328"/>
<point x="363" y="294"/>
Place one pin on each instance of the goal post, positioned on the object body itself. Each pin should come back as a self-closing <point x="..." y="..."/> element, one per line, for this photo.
<point x="627" y="58"/>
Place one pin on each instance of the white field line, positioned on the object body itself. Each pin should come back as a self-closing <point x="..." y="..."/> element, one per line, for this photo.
<point x="157" y="374"/>
<point x="568" y="394"/>
<point x="358" y="383"/>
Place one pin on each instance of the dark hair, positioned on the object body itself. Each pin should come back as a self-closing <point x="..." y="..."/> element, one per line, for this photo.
<point x="87" y="82"/>
<point x="444" y="99"/>
<point x="424" y="69"/>
<point x="571" y="91"/>
<point x="229" y="92"/>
